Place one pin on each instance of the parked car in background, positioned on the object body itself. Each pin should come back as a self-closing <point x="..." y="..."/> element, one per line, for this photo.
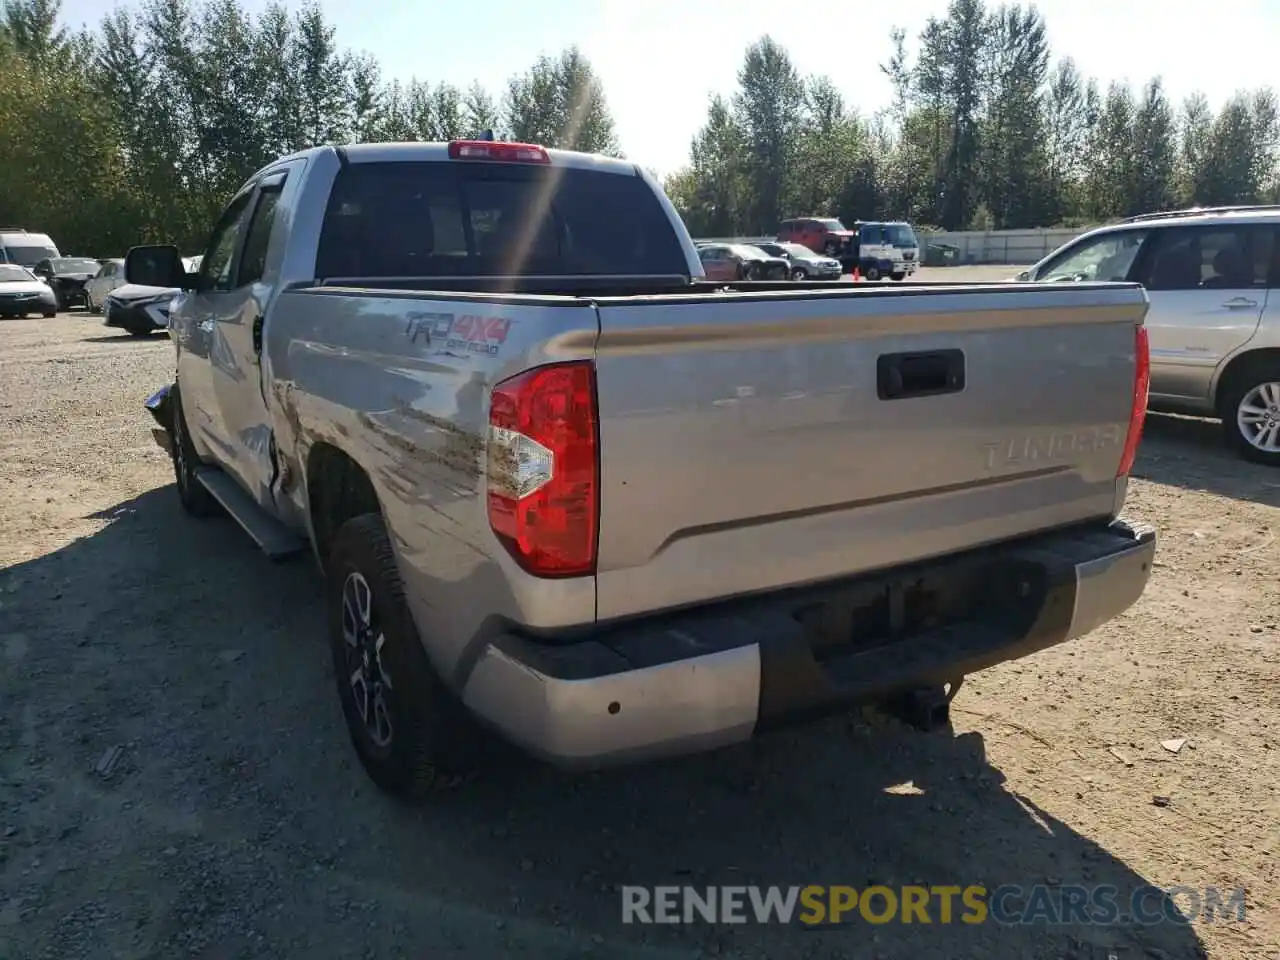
<point x="26" y="249"/>
<point x="741" y="261"/>
<point x="22" y="292"/>
<point x="67" y="276"/>
<point x="1213" y="279"/>
<point x="804" y="263"/>
<point x="109" y="276"/>
<point x="141" y="309"/>
<point x="824" y="235"/>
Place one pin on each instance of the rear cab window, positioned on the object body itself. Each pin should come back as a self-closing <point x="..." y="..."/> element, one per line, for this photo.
<point x="473" y="219"/>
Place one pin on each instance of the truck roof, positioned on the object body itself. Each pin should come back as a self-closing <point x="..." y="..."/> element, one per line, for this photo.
<point x="439" y="152"/>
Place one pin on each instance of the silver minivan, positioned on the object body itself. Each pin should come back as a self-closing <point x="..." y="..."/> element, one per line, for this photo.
<point x="17" y="245"/>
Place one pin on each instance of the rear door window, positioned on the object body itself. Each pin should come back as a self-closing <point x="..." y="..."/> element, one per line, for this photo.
<point x="1223" y="257"/>
<point x="416" y="219"/>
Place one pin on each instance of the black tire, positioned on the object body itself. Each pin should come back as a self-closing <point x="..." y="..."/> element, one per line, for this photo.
<point x="431" y="738"/>
<point x="1253" y="384"/>
<point x="898" y="276"/>
<point x="195" y="499"/>
<point x="49" y="314"/>
<point x="871" y="273"/>
<point x="799" y="273"/>
<point x="135" y="332"/>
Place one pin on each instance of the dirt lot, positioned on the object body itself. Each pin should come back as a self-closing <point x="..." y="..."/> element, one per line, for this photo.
<point x="236" y="822"/>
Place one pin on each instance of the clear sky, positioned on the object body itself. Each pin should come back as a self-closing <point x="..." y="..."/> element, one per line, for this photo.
<point x="660" y="60"/>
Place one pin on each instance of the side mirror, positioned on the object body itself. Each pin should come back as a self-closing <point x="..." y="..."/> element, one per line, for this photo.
<point x="1023" y="276"/>
<point x="157" y="266"/>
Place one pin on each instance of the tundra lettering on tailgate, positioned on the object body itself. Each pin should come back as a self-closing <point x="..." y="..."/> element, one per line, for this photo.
<point x="1049" y="447"/>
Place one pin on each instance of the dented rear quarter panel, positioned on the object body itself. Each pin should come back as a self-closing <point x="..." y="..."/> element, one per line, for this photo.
<point x="400" y="384"/>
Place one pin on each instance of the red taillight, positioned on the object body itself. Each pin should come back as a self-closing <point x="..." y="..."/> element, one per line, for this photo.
<point x="1138" y="413"/>
<point x="500" y="152"/>
<point x="543" y="469"/>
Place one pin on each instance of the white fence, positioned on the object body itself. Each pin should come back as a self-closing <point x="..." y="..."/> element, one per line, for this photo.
<point x="1002" y="246"/>
<point x="975" y="246"/>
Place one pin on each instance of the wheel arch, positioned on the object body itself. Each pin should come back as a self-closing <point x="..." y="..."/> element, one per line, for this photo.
<point x="338" y="489"/>
<point x="1241" y="365"/>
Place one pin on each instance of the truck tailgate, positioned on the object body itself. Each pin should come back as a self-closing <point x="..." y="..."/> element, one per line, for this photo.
<point x="752" y="441"/>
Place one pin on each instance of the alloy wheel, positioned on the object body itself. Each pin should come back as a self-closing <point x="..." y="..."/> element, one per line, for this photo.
<point x="367" y="672"/>
<point x="1258" y="417"/>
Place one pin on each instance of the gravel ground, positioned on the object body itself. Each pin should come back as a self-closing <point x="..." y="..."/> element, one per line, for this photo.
<point x="236" y="822"/>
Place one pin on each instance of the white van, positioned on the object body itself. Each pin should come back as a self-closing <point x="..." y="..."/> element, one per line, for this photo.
<point x="25" y="249"/>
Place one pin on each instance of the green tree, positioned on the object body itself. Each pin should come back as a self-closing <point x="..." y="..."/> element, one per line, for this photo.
<point x="1015" y="165"/>
<point x="711" y="193"/>
<point x="560" y="102"/>
<point x="31" y="28"/>
<point x="1155" y="150"/>
<point x="769" y="109"/>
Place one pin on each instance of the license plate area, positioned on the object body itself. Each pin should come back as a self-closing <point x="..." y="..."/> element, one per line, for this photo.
<point x="998" y="592"/>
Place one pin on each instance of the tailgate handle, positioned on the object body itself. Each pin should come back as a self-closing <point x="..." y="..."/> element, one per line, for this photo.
<point x="931" y="374"/>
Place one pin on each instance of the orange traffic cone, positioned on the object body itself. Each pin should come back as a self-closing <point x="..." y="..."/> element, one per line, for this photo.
<point x="856" y="276"/>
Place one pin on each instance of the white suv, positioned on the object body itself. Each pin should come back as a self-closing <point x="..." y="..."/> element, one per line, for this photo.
<point x="1213" y="278"/>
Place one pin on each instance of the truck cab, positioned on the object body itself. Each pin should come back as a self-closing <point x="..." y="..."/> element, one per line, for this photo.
<point x="887" y="249"/>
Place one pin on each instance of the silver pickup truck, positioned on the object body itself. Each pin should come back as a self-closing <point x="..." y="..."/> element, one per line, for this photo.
<point x="560" y="483"/>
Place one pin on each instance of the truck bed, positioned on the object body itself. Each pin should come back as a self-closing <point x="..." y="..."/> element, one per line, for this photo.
<point x="758" y="441"/>
<point x="752" y="437"/>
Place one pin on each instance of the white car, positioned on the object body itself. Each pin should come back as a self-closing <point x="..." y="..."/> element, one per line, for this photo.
<point x="139" y="309"/>
<point x="1213" y="279"/>
<point x="108" y="277"/>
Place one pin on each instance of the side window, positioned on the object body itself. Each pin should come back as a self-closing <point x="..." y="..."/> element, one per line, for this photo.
<point x="215" y="269"/>
<point x="103" y="271"/>
<point x="1227" y="257"/>
<point x="1108" y="257"/>
<point x="253" y="262"/>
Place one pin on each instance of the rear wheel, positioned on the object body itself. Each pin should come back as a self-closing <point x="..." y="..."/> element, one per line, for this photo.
<point x="799" y="273"/>
<point x="1251" y="414"/>
<point x="195" y="499"/>
<point x="407" y="728"/>
<point x="898" y="276"/>
<point x="871" y="273"/>
<point x="49" y="314"/>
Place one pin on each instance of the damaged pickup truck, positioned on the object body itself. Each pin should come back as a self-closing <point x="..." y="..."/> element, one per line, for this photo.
<point x="563" y="488"/>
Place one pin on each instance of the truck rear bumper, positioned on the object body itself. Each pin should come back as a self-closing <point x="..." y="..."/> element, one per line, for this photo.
<point x="707" y="678"/>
